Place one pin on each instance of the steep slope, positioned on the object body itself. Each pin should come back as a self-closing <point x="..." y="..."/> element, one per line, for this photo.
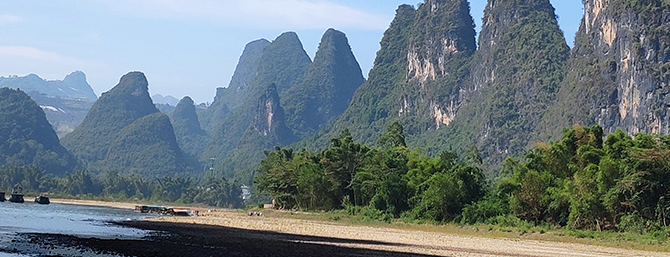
<point x="112" y="137"/>
<point x="190" y="137"/>
<point x="619" y="70"/>
<point x="65" y="102"/>
<point x="328" y="86"/>
<point x="239" y="87"/>
<point x="516" y="74"/>
<point x="266" y="131"/>
<point x="418" y="73"/>
<point x="27" y="138"/>
<point x="146" y="147"/>
<point x="283" y="63"/>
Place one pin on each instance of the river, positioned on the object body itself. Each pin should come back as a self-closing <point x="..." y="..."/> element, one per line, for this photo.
<point x="77" y="220"/>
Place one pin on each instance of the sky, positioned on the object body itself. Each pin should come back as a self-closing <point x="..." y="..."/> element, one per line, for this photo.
<point x="188" y="47"/>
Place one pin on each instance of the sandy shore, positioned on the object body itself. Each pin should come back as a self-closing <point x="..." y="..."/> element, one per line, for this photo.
<point x="119" y="205"/>
<point x="237" y="234"/>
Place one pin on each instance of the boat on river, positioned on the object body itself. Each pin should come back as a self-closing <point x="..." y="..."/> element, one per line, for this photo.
<point x="17" y="195"/>
<point x="42" y="199"/>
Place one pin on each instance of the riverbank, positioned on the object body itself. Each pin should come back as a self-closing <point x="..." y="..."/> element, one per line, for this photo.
<point x="234" y="233"/>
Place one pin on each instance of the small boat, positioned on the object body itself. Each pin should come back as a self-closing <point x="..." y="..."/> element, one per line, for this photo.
<point x="17" y="196"/>
<point x="42" y="199"/>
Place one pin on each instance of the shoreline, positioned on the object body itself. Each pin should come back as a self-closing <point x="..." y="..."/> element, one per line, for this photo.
<point x="239" y="233"/>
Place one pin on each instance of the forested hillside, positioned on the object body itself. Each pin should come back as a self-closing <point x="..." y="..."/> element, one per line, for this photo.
<point x="27" y="138"/>
<point x="328" y="87"/>
<point x="125" y="132"/>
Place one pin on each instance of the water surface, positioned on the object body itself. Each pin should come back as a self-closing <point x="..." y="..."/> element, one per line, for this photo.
<point x="65" y="219"/>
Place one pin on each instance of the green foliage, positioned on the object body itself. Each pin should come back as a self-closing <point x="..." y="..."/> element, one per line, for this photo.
<point x="328" y="87"/>
<point x="381" y="183"/>
<point x="237" y="142"/>
<point x="210" y="190"/>
<point x="27" y="138"/>
<point x="124" y="131"/>
<point x="585" y="182"/>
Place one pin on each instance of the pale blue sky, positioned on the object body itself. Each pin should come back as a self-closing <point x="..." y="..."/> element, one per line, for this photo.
<point x="187" y="47"/>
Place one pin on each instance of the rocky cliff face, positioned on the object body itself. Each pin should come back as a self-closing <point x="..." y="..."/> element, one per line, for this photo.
<point x="124" y="128"/>
<point x="417" y="76"/>
<point x="441" y="44"/>
<point x="619" y="69"/>
<point x="448" y="92"/>
<point x="328" y="87"/>
<point x="235" y="144"/>
<point x="515" y="75"/>
<point x="269" y="121"/>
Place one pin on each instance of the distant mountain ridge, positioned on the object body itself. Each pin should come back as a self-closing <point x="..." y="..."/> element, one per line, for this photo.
<point x="73" y="86"/>
<point x="65" y="102"/>
<point x="168" y="99"/>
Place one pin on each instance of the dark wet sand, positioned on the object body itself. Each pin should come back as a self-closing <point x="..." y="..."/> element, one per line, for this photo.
<point x="181" y="239"/>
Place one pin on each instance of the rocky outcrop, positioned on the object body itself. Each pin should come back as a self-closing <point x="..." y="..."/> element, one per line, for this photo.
<point x="515" y="76"/>
<point x="619" y="70"/>
<point x="238" y="140"/>
<point x="440" y="47"/>
<point x="269" y="121"/>
<point x="418" y="73"/>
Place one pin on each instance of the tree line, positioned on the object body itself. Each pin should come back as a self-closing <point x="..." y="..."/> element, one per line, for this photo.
<point x="211" y="189"/>
<point x="583" y="181"/>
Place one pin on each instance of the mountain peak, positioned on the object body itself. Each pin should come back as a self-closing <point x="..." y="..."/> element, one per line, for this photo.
<point x="123" y="129"/>
<point x="328" y="86"/>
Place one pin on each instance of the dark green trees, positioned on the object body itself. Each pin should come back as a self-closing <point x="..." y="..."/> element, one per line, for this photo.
<point x="386" y="182"/>
<point x="27" y="138"/>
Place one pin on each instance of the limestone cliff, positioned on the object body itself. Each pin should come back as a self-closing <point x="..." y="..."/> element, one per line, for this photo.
<point x="618" y="71"/>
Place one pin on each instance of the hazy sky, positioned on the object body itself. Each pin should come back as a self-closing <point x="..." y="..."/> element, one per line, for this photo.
<point x="188" y="47"/>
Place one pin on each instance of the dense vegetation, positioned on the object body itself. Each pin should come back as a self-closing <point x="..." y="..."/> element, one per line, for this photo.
<point x="584" y="181"/>
<point x="328" y="87"/>
<point x="27" y="138"/>
<point x="389" y="181"/>
<point x="210" y="190"/>
<point x="125" y="131"/>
